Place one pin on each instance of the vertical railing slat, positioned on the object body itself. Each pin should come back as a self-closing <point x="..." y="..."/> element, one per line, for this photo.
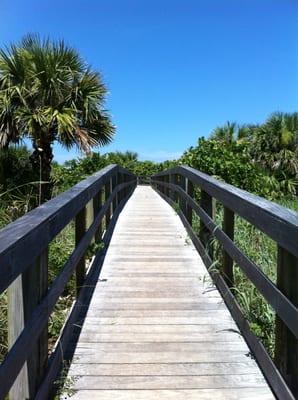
<point x="114" y="185"/>
<point x="182" y="202"/>
<point x="108" y="186"/>
<point x="167" y="180"/>
<point x="24" y="294"/>
<point x="97" y="204"/>
<point x="190" y="192"/>
<point x="228" y="228"/>
<point x="80" y="229"/>
<point x="119" y="194"/>
<point x="204" y="234"/>
<point x="286" y="345"/>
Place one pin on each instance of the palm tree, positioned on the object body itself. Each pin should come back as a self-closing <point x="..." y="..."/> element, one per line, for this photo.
<point x="225" y="133"/>
<point x="246" y="132"/>
<point x="126" y="156"/>
<point x="275" y="148"/>
<point x="231" y="132"/>
<point x="47" y="93"/>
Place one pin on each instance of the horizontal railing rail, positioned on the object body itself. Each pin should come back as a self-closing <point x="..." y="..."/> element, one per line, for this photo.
<point x="183" y="185"/>
<point x="27" y="371"/>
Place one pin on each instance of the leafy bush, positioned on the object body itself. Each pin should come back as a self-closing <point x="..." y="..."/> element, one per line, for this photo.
<point x="231" y="162"/>
<point x="15" y="168"/>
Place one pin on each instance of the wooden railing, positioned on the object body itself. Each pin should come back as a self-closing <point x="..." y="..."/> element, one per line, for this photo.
<point x="27" y="371"/>
<point x="144" y="180"/>
<point x="178" y="186"/>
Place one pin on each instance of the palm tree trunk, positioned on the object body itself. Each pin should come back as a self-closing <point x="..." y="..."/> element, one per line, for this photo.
<point x="41" y="160"/>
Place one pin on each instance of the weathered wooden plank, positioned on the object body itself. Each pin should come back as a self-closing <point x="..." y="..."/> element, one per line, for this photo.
<point x="191" y="394"/>
<point x="128" y="292"/>
<point x="182" y="369"/>
<point x="160" y="357"/>
<point x="168" y="317"/>
<point x="172" y="382"/>
<point x="160" y="347"/>
<point x="172" y="337"/>
<point x="162" y="306"/>
<point x="102" y="298"/>
<point x="207" y="330"/>
<point x="23" y="296"/>
<point x="144" y="322"/>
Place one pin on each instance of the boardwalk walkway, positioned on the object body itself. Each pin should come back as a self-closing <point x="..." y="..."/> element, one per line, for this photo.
<point x="156" y="329"/>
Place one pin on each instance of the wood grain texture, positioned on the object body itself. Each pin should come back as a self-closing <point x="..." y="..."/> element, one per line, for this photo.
<point x="23" y="296"/>
<point x="191" y="394"/>
<point x="150" y="334"/>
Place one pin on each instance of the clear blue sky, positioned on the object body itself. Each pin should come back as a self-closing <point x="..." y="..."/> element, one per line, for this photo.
<point x="174" y="69"/>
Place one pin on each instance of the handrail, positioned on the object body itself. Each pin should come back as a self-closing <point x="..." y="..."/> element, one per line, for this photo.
<point x="269" y="217"/>
<point x="178" y="185"/>
<point x="23" y="260"/>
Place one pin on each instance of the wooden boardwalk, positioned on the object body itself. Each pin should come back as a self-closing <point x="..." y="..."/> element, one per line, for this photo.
<point x="156" y="328"/>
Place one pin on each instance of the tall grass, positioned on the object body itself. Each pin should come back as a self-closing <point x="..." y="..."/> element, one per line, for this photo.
<point x="263" y="251"/>
<point x="59" y="251"/>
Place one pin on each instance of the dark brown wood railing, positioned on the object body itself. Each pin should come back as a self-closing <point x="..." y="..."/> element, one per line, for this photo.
<point x="28" y="371"/>
<point x="178" y="186"/>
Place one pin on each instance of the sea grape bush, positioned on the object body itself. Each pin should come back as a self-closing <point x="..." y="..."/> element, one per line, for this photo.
<point x="231" y="162"/>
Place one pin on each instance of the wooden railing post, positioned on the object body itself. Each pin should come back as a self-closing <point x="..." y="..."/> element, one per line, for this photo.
<point x="286" y="345"/>
<point x="204" y="234"/>
<point x="125" y="190"/>
<point x="97" y="204"/>
<point x="167" y="190"/>
<point x="89" y="213"/>
<point x="24" y="294"/>
<point x="114" y="185"/>
<point x="120" y="194"/>
<point x="174" y="181"/>
<point x="161" y="188"/>
<point x="131" y="188"/>
<point x="108" y="187"/>
<point x="228" y="228"/>
<point x="182" y="201"/>
<point x="171" y="180"/>
<point x="189" y="191"/>
<point x="80" y="230"/>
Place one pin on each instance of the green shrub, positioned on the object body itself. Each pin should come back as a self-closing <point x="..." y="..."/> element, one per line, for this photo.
<point x="232" y="163"/>
<point x="15" y="169"/>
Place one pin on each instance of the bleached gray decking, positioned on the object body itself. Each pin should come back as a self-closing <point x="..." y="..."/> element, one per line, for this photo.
<point x="156" y="329"/>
